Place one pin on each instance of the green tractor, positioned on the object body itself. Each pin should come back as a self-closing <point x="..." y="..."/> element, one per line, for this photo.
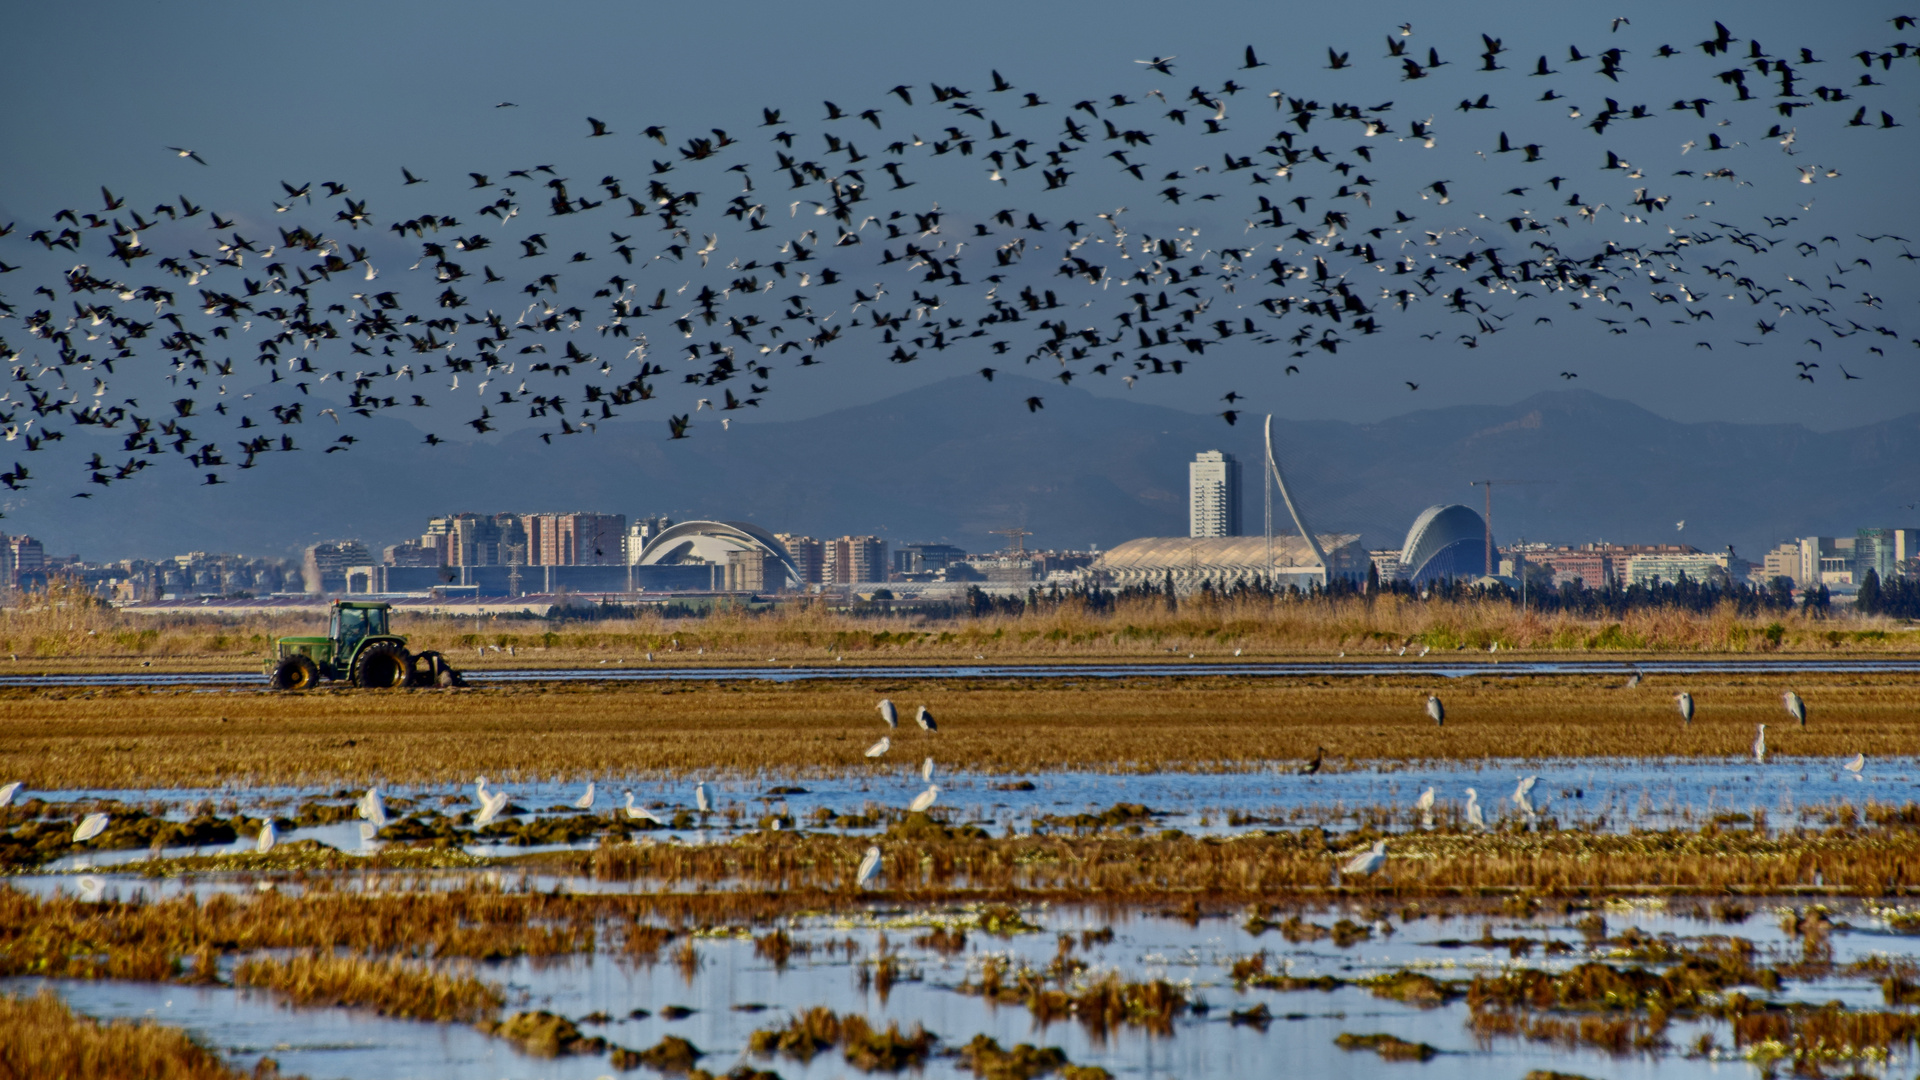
<point x="359" y="650"/>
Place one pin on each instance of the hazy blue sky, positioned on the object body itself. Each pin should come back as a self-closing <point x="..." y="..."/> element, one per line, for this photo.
<point x="355" y="91"/>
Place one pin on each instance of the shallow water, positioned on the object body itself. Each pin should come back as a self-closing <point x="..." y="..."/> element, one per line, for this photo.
<point x="339" y="1042"/>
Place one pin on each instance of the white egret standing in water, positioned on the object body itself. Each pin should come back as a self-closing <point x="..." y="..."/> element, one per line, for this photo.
<point x="641" y="813"/>
<point x="700" y="796"/>
<point x="1760" y="746"/>
<point x="373" y="808"/>
<point x="1520" y="792"/>
<point x="1473" y="810"/>
<point x="490" y="807"/>
<point x="925" y="799"/>
<point x="885" y="744"/>
<point x="1424" y="804"/>
<point x="1856" y="766"/>
<point x="1367" y="861"/>
<point x="1684" y="701"/>
<point x="1796" y="708"/>
<point x="585" y="801"/>
<point x="889" y="713"/>
<point x="90" y="826"/>
<point x="1436" y="710"/>
<point x="868" y="865"/>
<point x="926" y="770"/>
<point x="268" y="836"/>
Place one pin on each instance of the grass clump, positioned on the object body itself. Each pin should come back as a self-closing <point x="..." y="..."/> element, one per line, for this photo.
<point x="544" y="1034"/>
<point x="389" y="987"/>
<point x="866" y="1048"/>
<point x="1389" y="1047"/>
<point x="41" y="1037"/>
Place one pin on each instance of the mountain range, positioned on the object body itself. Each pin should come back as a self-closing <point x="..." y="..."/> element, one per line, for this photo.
<point x="954" y="460"/>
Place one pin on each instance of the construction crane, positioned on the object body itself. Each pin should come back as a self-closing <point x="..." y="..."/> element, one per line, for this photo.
<point x="1016" y="537"/>
<point x="1487" y="518"/>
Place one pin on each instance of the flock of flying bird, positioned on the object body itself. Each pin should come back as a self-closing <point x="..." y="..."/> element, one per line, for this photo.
<point x="535" y="287"/>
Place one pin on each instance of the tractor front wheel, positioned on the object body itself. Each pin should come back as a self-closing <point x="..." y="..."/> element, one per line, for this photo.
<point x="295" y="673"/>
<point x="380" y="667"/>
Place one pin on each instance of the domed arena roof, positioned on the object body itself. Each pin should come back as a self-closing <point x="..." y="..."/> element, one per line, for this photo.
<point x="1445" y="542"/>
<point x="710" y="541"/>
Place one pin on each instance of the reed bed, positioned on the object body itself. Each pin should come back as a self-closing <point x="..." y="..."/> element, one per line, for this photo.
<point x="389" y="987"/>
<point x="865" y="1047"/>
<point x="140" y="738"/>
<point x="41" y="1037"/>
<point x="69" y="629"/>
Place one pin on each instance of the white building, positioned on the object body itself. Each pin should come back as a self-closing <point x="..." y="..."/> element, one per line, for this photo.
<point x="1213" y="495"/>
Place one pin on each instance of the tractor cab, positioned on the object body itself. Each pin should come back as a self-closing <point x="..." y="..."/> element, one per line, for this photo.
<point x="353" y="623"/>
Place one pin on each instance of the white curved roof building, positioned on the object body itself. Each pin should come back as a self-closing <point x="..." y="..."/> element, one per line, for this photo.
<point x="1224" y="559"/>
<point x="1445" y="542"/>
<point x="712" y="542"/>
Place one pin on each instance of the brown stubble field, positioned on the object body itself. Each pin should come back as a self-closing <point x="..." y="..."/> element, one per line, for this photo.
<point x="120" y="738"/>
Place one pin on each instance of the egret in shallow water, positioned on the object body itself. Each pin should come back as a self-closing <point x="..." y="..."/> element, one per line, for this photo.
<point x="1424" y="804"/>
<point x="268" y="837"/>
<point x="1796" y="708"/>
<point x="1684" y="702"/>
<point x="885" y="744"/>
<point x="641" y="813"/>
<point x="585" y="801"/>
<point x="1521" y="791"/>
<point x="925" y="720"/>
<point x="490" y="806"/>
<point x="888" y="713"/>
<point x="925" y="799"/>
<point x="90" y="826"/>
<point x="1473" y="810"/>
<point x="7" y="793"/>
<point x="373" y="808"/>
<point x="926" y="770"/>
<point x="1760" y="746"/>
<point x="868" y="865"/>
<point x="1857" y="766"/>
<point x="1367" y="861"/>
<point x="700" y="796"/>
<point x="1436" y="710"/>
<point x="91" y="888"/>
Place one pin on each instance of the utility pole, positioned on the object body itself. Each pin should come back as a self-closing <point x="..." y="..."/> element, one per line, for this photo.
<point x="1487" y="518"/>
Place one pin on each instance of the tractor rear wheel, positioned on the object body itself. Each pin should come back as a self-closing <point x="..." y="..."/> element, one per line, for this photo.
<point x="382" y="666"/>
<point x="295" y="673"/>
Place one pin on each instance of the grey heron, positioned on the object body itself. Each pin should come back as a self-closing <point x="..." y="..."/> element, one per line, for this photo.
<point x="1436" y="710"/>
<point x="888" y="713"/>
<point x="1684" y="701"/>
<point x="1796" y="708"/>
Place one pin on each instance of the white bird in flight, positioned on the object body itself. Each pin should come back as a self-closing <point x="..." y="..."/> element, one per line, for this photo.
<point x="885" y="744"/>
<point x="585" y="801"/>
<point x="1436" y="710"/>
<point x="1366" y="862"/>
<point x="868" y="864"/>
<point x="90" y="826"/>
<point x="1521" y="791"/>
<point x="925" y="720"/>
<point x="490" y="805"/>
<point x="1856" y="766"/>
<point x="889" y="713"/>
<point x="1684" y="701"/>
<point x="924" y="800"/>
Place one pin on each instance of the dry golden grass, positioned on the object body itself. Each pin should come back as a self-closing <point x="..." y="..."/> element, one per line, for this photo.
<point x="520" y="733"/>
<point x="65" y="633"/>
<point x="389" y="987"/>
<point x="42" y="1039"/>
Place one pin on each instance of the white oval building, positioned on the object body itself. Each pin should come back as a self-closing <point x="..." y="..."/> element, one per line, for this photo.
<point x="722" y="543"/>
<point x="1445" y="542"/>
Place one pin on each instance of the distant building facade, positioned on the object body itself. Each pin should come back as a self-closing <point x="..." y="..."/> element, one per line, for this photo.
<point x="326" y="565"/>
<point x="809" y="555"/>
<point x="577" y="539"/>
<point x="852" y="559"/>
<point x="1213" y="495"/>
<point x="923" y="558"/>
